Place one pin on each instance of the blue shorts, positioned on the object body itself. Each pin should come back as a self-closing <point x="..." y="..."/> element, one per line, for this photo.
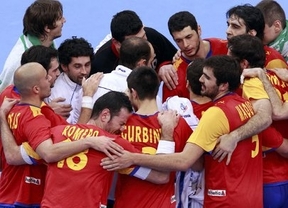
<point x="276" y="195"/>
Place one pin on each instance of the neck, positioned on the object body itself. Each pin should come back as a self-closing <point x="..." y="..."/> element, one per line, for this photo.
<point x="96" y="123"/>
<point x="147" y="107"/>
<point x="45" y="41"/>
<point x="199" y="98"/>
<point x="36" y="101"/>
<point x="202" y="52"/>
<point x="221" y="94"/>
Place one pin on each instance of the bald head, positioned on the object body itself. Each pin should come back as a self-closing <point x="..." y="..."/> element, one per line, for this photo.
<point x="27" y="76"/>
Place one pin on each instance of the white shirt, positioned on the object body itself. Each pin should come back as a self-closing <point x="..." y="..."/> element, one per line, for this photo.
<point x="113" y="81"/>
<point x="13" y="61"/>
<point x="117" y="81"/>
<point x="69" y="90"/>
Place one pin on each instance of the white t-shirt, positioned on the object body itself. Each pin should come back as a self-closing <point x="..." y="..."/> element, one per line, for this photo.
<point x="69" y="90"/>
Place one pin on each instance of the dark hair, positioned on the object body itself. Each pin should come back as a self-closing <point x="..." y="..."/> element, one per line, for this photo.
<point x="272" y="11"/>
<point x="39" y="54"/>
<point x="114" y="101"/>
<point x="194" y="72"/>
<point x="132" y="50"/>
<point x="247" y="47"/>
<point x="144" y="81"/>
<point x="225" y="69"/>
<point x="252" y="16"/>
<point x="74" y="47"/>
<point x="180" y="20"/>
<point x="125" y="23"/>
<point x="39" y="14"/>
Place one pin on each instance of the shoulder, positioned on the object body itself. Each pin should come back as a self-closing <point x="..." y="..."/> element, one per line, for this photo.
<point x="106" y="47"/>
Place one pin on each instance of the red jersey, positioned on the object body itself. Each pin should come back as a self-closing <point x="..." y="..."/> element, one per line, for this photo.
<point x="144" y="133"/>
<point x="181" y="67"/>
<point x="9" y="92"/>
<point x="274" y="59"/>
<point x="55" y="119"/>
<point x="79" y="180"/>
<point x="24" y="184"/>
<point x="276" y="166"/>
<point x="199" y="109"/>
<point x="226" y="185"/>
<point x="217" y="47"/>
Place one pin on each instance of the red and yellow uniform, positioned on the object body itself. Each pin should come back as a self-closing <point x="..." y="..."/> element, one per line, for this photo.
<point x="15" y="186"/>
<point x="226" y="186"/>
<point x="55" y="119"/>
<point x="79" y="180"/>
<point x="144" y="133"/>
<point x="217" y="47"/>
<point x="23" y="185"/>
<point x="9" y="92"/>
<point x="276" y="166"/>
<point x="274" y="59"/>
<point x="199" y="109"/>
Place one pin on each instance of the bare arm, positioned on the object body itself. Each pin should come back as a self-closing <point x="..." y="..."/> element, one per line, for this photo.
<point x="55" y="152"/>
<point x="89" y="87"/>
<point x="169" y="162"/>
<point x="257" y="123"/>
<point x="168" y="121"/>
<point x="283" y="149"/>
<point x="11" y="149"/>
<point x="279" y="108"/>
<point x="282" y="74"/>
<point x="60" y="108"/>
<point x="168" y="74"/>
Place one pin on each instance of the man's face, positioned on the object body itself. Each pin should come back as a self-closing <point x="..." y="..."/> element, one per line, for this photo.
<point x="209" y="86"/>
<point x="235" y="26"/>
<point x="78" y="68"/>
<point x="117" y="123"/>
<point x="269" y="34"/>
<point x="188" y="41"/>
<point x="54" y="71"/>
<point x="57" y="31"/>
<point x="44" y="84"/>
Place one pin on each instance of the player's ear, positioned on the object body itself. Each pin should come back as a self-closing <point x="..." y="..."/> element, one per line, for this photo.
<point x="141" y="62"/>
<point x="134" y="93"/>
<point x="252" y="32"/>
<point x="244" y="64"/>
<point x="277" y="26"/>
<point x="64" y="67"/>
<point x="36" y="89"/>
<point x="199" y="30"/>
<point x="187" y="84"/>
<point x="116" y="43"/>
<point x="105" y="115"/>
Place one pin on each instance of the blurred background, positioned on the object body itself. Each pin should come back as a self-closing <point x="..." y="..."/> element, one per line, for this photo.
<point x="90" y="19"/>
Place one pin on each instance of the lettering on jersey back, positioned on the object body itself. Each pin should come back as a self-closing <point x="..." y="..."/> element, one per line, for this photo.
<point x="142" y="134"/>
<point x="76" y="133"/>
<point x="245" y="110"/>
<point x="13" y="120"/>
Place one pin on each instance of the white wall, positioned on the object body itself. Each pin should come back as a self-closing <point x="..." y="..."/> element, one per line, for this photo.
<point x="91" y="18"/>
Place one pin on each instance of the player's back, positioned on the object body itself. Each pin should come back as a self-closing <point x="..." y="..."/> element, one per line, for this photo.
<point x="24" y="184"/>
<point x="226" y="183"/>
<point x="79" y="180"/>
<point x="144" y="133"/>
<point x="274" y="59"/>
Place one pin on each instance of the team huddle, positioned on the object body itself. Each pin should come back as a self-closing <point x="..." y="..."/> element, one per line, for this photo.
<point x="139" y="123"/>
